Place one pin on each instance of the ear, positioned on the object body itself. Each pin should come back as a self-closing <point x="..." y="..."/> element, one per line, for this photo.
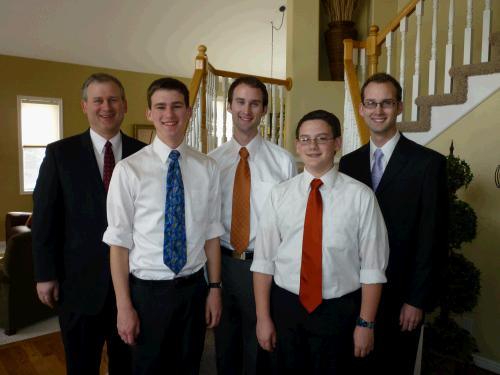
<point x="400" y="107"/>
<point x="337" y="143"/>
<point x="264" y="111"/>
<point x="125" y="106"/>
<point x="361" y="109"/>
<point x="229" y="107"/>
<point x="148" y="114"/>
<point x="83" y="103"/>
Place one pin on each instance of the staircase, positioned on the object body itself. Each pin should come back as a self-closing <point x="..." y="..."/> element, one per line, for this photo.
<point x="465" y="84"/>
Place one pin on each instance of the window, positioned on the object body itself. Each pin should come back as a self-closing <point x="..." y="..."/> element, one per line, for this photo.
<point x="40" y="123"/>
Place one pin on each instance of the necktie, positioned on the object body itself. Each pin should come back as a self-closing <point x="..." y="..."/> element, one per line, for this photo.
<point x="240" y="219"/>
<point x="377" y="170"/>
<point x="311" y="272"/>
<point x="109" y="164"/>
<point x="174" y="240"/>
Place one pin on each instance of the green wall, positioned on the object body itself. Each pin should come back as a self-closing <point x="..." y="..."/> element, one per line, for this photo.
<point x="22" y="76"/>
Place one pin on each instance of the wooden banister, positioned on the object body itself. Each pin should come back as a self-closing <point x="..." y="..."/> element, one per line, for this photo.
<point x="274" y="81"/>
<point x="394" y="24"/>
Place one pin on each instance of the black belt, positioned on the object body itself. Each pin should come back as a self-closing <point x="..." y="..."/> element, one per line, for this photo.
<point x="246" y="255"/>
<point x="178" y="282"/>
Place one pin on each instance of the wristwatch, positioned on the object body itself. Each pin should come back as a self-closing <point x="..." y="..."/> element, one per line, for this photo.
<point x="217" y="285"/>
<point x="363" y="323"/>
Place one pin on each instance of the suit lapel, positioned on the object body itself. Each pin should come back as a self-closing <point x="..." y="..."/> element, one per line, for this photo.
<point x="90" y="161"/>
<point x="126" y="146"/>
<point x="365" y="172"/>
<point x="398" y="161"/>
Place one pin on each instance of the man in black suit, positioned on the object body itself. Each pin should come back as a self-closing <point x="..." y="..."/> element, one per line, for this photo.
<point x="69" y="218"/>
<point x="410" y="184"/>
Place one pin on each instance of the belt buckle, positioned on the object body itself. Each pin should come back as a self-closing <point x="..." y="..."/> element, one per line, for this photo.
<point x="236" y="255"/>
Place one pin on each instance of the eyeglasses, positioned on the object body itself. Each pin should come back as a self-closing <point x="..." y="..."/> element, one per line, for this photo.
<point x="385" y="104"/>
<point x="320" y="140"/>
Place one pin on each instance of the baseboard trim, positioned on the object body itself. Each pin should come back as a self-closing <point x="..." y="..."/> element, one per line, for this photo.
<point x="487" y="364"/>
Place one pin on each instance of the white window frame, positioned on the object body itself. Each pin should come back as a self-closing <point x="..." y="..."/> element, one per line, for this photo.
<point x="40" y="100"/>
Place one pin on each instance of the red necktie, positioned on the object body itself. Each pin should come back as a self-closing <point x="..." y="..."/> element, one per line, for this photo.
<point x="240" y="219"/>
<point x="310" y="294"/>
<point x="109" y="164"/>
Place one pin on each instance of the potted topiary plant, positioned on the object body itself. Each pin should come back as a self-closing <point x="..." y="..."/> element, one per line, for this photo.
<point x="447" y="346"/>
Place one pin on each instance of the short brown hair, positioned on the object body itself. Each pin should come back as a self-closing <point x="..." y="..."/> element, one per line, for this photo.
<point x="320" y="114"/>
<point x="168" y="83"/>
<point x="251" y="81"/>
<point x="383" y="78"/>
<point x="101" y="78"/>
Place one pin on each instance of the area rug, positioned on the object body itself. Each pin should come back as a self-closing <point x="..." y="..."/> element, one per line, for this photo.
<point x="41" y="328"/>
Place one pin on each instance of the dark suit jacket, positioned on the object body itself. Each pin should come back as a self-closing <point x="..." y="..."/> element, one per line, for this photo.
<point x="413" y="198"/>
<point x="69" y="219"/>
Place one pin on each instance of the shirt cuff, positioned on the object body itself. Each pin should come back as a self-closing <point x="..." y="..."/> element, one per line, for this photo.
<point x="372" y="277"/>
<point x="113" y="236"/>
<point x="215" y="230"/>
<point x="262" y="266"/>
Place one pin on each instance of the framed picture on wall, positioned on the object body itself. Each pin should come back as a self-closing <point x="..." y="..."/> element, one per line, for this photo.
<point x="144" y="132"/>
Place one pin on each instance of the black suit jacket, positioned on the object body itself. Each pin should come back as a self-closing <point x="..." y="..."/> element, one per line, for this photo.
<point x="413" y="198"/>
<point x="69" y="219"/>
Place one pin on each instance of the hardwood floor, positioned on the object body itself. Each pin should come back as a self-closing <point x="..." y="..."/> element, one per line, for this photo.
<point x="42" y="355"/>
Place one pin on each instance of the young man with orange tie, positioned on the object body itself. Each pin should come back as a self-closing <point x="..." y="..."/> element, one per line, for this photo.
<point x="320" y="256"/>
<point x="249" y="166"/>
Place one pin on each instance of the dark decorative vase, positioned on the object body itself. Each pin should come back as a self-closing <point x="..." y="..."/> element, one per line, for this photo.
<point x="334" y="36"/>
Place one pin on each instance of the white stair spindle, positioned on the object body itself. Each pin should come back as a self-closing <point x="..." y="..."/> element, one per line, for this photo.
<point x="388" y="47"/>
<point x="224" y="111"/>
<point x="282" y="115"/>
<point x="433" y="60"/>
<point x="416" y="75"/>
<point x="485" y="44"/>
<point x="449" y="48"/>
<point x="216" y="138"/>
<point x="274" y="119"/>
<point x="350" y="137"/>
<point x="266" y="119"/>
<point x="402" y="59"/>
<point x="362" y="65"/>
<point x="468" y="35"/>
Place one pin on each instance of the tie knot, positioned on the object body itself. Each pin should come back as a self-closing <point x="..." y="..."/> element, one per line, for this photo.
<point x="316" y="183"/>
<point x="108" y="145"/>
<point x="378" y="154"/>
<point x="244" y="153"/>
<point x="174" y="155"/>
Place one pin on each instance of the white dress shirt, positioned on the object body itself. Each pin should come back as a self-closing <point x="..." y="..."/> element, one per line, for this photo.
<point x="387" y="150"/>
<point x="136" y="208"/>
<point x="99" y="142"/>
<point x="269" y="165"/>
<point x="354" y="244"/>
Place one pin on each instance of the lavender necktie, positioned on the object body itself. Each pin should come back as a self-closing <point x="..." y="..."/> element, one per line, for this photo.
<point x="377" y="170"/>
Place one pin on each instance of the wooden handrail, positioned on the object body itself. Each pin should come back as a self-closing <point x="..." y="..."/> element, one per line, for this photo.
<point x="274" y="81"/>
<point x="394" y="24"/>
<point x="352" y="81"/>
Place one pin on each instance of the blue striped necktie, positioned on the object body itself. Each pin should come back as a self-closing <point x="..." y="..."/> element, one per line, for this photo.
<point x="174" y="241"/>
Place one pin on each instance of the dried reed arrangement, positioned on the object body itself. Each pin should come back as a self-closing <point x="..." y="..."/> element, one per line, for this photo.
<point x="339" y="10"/>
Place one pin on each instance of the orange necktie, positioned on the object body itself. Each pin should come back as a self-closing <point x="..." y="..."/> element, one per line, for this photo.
<point x="240" y="220"/>
<point x="310" y="294"/>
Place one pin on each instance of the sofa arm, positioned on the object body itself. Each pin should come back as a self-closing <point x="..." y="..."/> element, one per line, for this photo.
<point x="14" y="219"/>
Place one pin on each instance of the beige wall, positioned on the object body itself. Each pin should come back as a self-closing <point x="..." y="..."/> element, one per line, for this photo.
<point x="476" y="140"/>
<point x="308" y="93"/>
<point x="21" y="76"/>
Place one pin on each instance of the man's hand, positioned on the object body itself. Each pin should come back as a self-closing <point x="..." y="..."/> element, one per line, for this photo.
<point x="213" y="307"/>
<point x="128" y="325"/>
<point x="363" y="341"/>
<point x="48" y="292"/>
<point x="266" y="334"/>
<point x="410" y="317"/>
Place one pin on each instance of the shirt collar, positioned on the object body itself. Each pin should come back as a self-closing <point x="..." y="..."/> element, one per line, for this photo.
<point x="99" y="141"/>
<point x="387" y="148"/>
<point x="328" y="178"/>
<point x="253" y="146"/>
<point x="163" y="150"/>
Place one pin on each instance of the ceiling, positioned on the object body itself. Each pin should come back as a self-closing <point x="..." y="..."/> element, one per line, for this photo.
<point x="152" y="36"/>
